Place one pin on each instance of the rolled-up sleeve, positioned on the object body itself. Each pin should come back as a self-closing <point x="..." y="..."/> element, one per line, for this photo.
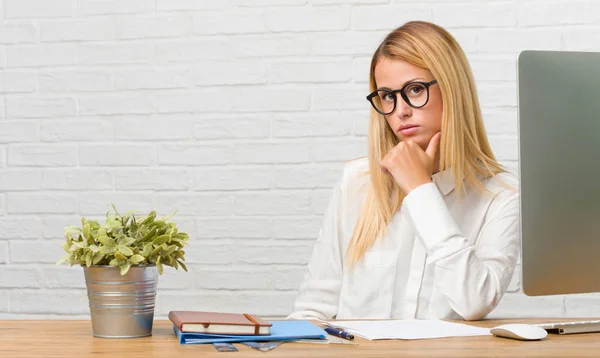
<point x="472" y="274"/>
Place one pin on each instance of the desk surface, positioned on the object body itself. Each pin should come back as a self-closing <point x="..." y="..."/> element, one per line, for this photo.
<point x="20" y="339"/>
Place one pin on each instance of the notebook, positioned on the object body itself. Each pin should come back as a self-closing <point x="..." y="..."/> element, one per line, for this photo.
<point x="219" y="323"/>
<point x="280" y="331"/>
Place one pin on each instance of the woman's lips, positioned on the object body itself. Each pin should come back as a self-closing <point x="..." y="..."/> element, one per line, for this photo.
<point x="409" y="130"/>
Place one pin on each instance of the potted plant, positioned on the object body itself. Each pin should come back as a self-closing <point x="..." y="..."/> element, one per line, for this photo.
<point x="122" y="260"/>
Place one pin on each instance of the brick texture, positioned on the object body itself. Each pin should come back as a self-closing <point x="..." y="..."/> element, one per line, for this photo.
<point x="239" y="114"/>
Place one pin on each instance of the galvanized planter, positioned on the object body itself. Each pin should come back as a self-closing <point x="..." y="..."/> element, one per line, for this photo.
<point x="121" y="306"/>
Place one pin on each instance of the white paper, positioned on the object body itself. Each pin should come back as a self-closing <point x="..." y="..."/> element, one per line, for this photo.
<point x="408" y="329"/>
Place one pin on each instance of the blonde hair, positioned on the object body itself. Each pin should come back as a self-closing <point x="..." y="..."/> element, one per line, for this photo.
<point x="464" y="147"/>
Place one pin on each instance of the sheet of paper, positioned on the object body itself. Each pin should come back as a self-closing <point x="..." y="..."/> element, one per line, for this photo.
<point x="408" y="329"/>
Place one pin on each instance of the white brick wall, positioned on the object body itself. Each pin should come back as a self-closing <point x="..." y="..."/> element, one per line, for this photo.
<point x="237" y="113"/>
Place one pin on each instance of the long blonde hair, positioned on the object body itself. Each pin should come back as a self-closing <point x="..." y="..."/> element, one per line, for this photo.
<point x="464" y="147"/>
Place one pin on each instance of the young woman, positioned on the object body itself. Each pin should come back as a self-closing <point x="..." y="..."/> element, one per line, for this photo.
<point x="428" y="225"/>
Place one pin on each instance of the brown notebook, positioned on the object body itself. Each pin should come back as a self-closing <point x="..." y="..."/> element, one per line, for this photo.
<point x="219" y="323"/>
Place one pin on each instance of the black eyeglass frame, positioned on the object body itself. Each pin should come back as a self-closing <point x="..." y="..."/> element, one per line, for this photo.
<point x="402" y="94"/>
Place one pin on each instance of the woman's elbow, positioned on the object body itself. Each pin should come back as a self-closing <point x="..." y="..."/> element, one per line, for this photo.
<point x="476" y="311"/>
<point x="474" y="315"/>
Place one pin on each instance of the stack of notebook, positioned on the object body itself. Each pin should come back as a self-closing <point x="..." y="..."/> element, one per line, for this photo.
<point x="194" y="327"/>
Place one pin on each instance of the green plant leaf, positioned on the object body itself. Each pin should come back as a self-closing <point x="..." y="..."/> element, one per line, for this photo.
<point x="94" y="225"/>
<point x="181" y="235"/>
<point x="150" y="218"/>
<point x="72" y="232"/>
<point x="125" y="250"/>
<point x="147" y="250"/>
<point x="102" y="231"/>
<point x="134" y="225"/>
<point x="113" y="222"/>
<point x="115" y="262"/>
<point x="88" y="259"/>
<point x="176" y="242"/>
<point x="161" y="239"/>
<point x="87" y="231"/>
<point x="64" y="259"/>
<point x="159" y="266"/>
<point x="150" y="235"/>
<point x="159" y="225"/>
<point x="125" y="268"/>
<point x="80" y="244"/>
<point x="170" y="250"/>
<point x="107" y="250"/>
<point x="128" y="215"/>
<point x="156" y="251"/>
<point x="114" y="208"/>
<point x="120" y="256"/>
<point x="126" y="241"/>
<point x="74" y="248"/>
<point x="107" y="241"/>
<point x="98" y="256"/>
<point x="170" y="216"/>
<point x="136" y="259"/>
<point x="76" y="262"/>
<point x="182" y="265"/>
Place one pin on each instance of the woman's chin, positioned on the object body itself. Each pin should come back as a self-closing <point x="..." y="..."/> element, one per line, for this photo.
<point x="420" y="139"/>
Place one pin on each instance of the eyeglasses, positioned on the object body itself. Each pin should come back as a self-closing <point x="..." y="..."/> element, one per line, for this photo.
<point x="415" y="94"/>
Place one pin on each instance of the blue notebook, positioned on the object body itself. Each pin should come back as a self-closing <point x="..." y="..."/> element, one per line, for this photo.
<point x="280" y="331"/>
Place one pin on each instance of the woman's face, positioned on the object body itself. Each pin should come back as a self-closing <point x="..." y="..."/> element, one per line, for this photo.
<point x="408" y="123"/>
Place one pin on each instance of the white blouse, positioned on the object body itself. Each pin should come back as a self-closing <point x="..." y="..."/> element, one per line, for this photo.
<point x="441" y="256"/>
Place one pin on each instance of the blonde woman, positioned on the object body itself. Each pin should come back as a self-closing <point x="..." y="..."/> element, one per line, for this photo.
<point x="428" y="225"/>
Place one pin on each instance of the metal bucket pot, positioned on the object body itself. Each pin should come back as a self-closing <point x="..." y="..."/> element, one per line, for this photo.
<point x="121" y="306"/>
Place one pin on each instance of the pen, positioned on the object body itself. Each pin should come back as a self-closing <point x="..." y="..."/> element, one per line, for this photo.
<point x="339" y="333"/>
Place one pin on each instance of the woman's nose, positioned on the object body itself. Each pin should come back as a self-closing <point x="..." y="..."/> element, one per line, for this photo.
<point x="402" y="109"/>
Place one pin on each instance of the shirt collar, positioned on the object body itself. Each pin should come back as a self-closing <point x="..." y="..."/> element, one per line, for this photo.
<point x="444" y="180"/>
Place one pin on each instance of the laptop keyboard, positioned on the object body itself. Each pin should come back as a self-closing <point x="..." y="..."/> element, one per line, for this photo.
<point x="567" y="324"/>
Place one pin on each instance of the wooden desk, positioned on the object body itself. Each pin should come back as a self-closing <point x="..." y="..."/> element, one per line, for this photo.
<point x="64" y="339"/>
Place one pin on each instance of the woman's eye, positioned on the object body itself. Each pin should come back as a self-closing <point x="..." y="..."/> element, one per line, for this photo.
<point x="415" y="90"/>
<point x="388" y="96"/>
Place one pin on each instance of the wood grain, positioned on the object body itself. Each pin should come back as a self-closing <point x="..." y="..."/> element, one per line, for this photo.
<point x="19" y="339"/>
